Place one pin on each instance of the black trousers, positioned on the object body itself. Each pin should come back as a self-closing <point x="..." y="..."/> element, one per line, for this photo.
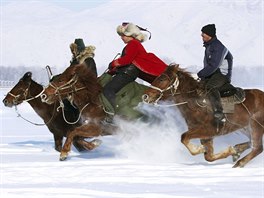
<point x="123" y="76"/>
<point x="212" y="85"/>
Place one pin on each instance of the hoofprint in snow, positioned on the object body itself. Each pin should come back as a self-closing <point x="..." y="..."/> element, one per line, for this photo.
<point x="141" y="162"/>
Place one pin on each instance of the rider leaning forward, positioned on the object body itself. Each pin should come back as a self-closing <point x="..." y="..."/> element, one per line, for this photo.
<point x="134" y="62"/>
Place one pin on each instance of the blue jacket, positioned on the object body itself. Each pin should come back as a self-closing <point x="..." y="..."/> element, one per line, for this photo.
<point x="216" y="56"/>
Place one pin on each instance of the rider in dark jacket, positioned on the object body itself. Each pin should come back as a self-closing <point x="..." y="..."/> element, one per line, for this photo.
<point x="217" y="71"/>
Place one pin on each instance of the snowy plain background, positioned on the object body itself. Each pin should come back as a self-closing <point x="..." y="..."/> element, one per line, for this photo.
<point x="141" y="161"/>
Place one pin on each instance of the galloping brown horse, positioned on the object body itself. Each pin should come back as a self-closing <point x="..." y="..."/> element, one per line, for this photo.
<point x="179" y="85"/>
<point x="27" y="90"/>
<point x="81" y="87"/>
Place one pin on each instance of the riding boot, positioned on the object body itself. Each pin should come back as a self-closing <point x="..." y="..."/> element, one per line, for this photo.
<point x="215" y="99"/>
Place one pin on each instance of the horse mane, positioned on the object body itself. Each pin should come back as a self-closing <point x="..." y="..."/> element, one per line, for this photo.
<point x="89" y="79"/>
<point x="188" y="83"/>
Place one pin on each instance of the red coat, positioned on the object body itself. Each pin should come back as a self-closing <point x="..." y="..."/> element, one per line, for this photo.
<point x="134" y="53"/>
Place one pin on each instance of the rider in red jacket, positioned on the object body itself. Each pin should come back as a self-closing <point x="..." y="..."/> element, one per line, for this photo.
<point x="134" y="62"/>
<point x="134" y="53"/>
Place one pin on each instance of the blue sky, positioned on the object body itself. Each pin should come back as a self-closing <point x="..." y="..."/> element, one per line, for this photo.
<point x="75" y="5"/>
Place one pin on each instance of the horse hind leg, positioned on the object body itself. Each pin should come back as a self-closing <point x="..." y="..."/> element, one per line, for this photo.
<point x="209" y="153"/>
<point x="83" y="145"/>
<point x="234" y="151"/>
<point x="257" y="144"/>
<point x="240" y="148"/>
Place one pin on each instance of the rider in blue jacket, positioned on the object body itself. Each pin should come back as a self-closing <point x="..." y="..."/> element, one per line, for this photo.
<point x="217" y="71"/>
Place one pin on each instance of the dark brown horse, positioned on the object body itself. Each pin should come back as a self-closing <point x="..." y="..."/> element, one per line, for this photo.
<point x="81" y="87"/>
<point x="180" y="86"/>
<point x="27" y="90"/>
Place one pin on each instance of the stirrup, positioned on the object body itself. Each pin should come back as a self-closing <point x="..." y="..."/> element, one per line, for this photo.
<point x="219" y="115"/>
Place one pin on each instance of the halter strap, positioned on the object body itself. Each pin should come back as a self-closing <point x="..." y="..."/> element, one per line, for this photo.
<point x="25" y="94"/>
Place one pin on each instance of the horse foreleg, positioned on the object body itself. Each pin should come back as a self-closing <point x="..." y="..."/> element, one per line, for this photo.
<point x="85" y="131"/>
<point x="58" y="142"/>
<point x="257" y="145"/>
<point x="194" y="149"/>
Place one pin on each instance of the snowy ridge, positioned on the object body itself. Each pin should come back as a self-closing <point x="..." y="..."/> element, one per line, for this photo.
<point x="40" y="33"/>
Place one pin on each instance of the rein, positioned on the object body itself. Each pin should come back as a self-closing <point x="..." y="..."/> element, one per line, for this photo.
<point x="37" y="124"/>
<point x="63" y="113"/>
<point x="68" y="85"/>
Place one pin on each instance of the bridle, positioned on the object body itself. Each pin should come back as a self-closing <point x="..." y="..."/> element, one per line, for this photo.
<point x="173" y="86"/>
<point x="25" y="94"/>
<point x="71" y="85"/>
<point x="68" y="85"/>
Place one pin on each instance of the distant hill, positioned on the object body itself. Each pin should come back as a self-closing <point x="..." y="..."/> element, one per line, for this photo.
<point x="39" y="33"/>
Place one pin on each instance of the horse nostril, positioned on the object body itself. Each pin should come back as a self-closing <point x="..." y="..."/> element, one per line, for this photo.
<point x="5" y="102"/>
<point x="145" y="97"/>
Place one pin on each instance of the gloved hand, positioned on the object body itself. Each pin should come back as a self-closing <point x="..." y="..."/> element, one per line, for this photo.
<point x="110" y="66"/>
<point x="111" y="72"/>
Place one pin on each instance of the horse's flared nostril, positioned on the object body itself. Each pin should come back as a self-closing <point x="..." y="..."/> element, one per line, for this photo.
<point x="145" y="97"/>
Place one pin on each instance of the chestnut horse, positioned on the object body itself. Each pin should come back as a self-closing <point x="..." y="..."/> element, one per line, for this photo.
<point x="81" y="87"/>
<point x="184" y="90"/>
<point x="27" y="90"/>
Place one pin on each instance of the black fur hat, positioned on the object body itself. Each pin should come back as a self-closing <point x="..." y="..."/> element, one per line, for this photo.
<point x="209" y="30"/>
<point x="80" y="44"/>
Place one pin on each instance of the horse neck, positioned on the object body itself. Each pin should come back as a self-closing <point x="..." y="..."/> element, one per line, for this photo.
<point x="41" y="108"/>
<point x="187" y="87"/>
<point x="81" y="98"/>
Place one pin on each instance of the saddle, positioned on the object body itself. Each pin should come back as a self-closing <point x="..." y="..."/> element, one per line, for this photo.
<point x="230" y="96"/>
<point x="127" y="99"/>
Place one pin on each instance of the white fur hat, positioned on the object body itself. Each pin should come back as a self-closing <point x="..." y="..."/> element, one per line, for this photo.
<point x="132" y="30"/>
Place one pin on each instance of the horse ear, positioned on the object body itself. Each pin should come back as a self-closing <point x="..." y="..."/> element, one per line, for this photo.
<point x="27" y="75"/>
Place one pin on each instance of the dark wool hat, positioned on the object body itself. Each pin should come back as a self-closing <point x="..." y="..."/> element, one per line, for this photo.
<point x="80" y="44"/>
<point x="209" y="30"/>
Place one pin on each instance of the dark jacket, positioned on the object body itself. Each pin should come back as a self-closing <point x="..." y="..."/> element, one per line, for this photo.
<point x="216" y="56"/>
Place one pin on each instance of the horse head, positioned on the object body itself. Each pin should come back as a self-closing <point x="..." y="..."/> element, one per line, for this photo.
<point x="69" y="83"/>
<point x="20" y="92"/>
<point x="61" y="85"/>
<point x="164" y="85"/>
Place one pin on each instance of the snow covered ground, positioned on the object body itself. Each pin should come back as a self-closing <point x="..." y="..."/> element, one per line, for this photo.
<point x="141" y="162"/>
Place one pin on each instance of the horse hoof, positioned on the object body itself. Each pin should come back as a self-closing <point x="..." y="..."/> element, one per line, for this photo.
<point x="236" y="157"/>
<point x="96" y="142"/>
<point x="239" y="165"/>
<point x="63" y="157"/>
